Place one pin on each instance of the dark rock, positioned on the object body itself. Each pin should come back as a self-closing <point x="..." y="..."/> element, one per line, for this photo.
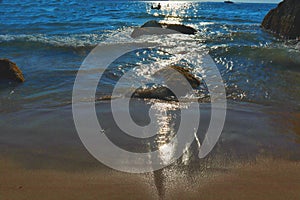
<point x="160" y="92"/>
<point x="284" y="20"/>
<point x="170" y="77"/>
<point x="155" y="28"/>
<point x="152" y="23"/>
<point x="181" y="28"/>
<point x="10" y="71"/>
<point x="229" y="2"/>
<point x="151" y="31"/>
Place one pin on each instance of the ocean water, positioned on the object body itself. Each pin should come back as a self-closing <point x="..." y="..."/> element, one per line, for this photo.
<point x="49" y="40"/>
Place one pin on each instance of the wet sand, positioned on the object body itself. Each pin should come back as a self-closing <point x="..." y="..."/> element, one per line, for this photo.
<point x="264" y="179"/>
<point x="17" y="183"/>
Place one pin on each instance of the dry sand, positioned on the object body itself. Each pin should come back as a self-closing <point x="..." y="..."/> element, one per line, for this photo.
<point x="266" y="179"/>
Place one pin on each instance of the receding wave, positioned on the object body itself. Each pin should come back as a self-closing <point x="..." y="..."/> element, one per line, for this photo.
<point x="76" y="40"/>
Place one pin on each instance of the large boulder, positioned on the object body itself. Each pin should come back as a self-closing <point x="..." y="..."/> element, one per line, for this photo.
<point x="284" y="20"/>
<point x="10" y="71"/>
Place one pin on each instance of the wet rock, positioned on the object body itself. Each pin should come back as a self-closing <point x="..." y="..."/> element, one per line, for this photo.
<point x="170" y="77"/>
<point x="180" y="28"/>
<point x="229" y="2"/>
<point x="154" y="27"/>
<point x="107" y="98"/>
<point x="160" y="92"/>
<point x="151" y="31"/>
<point x="10" y="71"/>
<point x="284" y="20"/>
<point x="152" y="23"/>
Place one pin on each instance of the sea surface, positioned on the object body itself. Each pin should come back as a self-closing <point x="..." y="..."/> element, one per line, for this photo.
<point x="49" y="40"/>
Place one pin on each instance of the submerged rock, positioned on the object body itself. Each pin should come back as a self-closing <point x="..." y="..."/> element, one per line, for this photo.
<point x="107" y="98"/>
<point x="284" y="20"/>
<point x="154" y="27"/>
<point x="10" y="71"/>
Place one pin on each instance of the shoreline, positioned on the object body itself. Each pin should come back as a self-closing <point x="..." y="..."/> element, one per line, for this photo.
<point x="52" y="163"/>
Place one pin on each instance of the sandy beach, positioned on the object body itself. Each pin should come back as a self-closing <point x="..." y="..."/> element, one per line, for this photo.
<point x="263" y="179"/>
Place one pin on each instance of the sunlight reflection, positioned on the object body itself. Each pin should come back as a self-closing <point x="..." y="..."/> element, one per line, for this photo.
<point x="167" y="116"/>
<point x="166" y="131"/>
<point x="172" y="11"/>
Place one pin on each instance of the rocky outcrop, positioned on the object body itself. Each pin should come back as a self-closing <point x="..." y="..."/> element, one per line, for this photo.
<point x="170" y="76"/>
<point x="154" y="27"/>
<point x="284" y="20"/>
<point x="10" y="71"/>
